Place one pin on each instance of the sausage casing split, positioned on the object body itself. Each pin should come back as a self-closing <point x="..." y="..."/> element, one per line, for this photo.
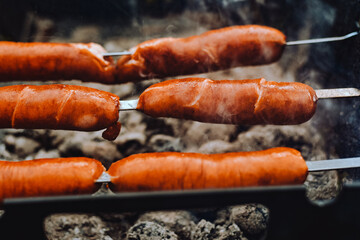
<point x="55" y="61"/>
<point x="46" y="177"/>
<point x="246" y="102"/>
<point x="176" y="171"/>
<point x="66" y="107"/>
<point x="214" y="50"/>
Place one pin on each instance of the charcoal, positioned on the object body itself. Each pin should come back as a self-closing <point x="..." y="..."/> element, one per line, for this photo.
<point x="150" y="230"/>
<point x="204" y="230"/>
<point x="75" y="226"/>
<point x="251" y="218"/>
<point x="180" y="222"/>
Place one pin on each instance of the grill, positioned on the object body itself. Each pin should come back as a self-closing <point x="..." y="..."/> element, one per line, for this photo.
<point x="292" y="214"/>
<point x="325" y="206"/>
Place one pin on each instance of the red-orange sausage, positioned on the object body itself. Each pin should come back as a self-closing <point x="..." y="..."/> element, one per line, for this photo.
<point x="247" y="102"/>
<point x="214" y="50"/>
<point x="45" y="177"/>
<point x="53" y="61"/>
<point x="64" y="107"/>
<point x="175" y="171"/>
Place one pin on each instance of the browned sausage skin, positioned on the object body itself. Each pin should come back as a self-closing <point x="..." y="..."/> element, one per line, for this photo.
<point x="246" y="102"/>
<point x="214" y="50"/>
<point x="46" y="177"/>
<point x="66" y="107"/>
<point x="55" y="61"/>
<point x="177" y="171"/>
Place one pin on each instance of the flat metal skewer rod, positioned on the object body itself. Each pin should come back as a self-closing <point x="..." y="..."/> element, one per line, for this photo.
<point x="104" y="178"/>
<point x="128" y="104"/>
<point x="291" y="43"/>
<point x="333" y="164"/>
<point x="322" y="40"/>
<point x="337" y="93"/>
<point x="123" y="53"/>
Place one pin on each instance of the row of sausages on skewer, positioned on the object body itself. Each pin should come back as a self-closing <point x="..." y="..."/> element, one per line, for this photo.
<point x="158" y="58"/>
<point x="152" y="171"/>
<point x="246" y="102"/>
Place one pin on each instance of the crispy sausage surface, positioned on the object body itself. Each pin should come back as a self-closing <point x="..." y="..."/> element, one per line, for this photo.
<point x="246" y="102"/>
<point x="214" y="50"/>
<point x="66" y="107"/>
<point x="175" y="171"/>
<point x="45" y="177"/>
<point x="55" y="61"/>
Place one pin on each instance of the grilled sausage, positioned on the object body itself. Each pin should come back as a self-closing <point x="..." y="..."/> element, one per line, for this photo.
<point x="45" y="177"/>
<point x="112" y="132"/>
<point x="55" y="61"/>
<point x="246" y="102"/>
<point x="214" y="50"/>
<point x="64" y="107"/>
<point x="175" y="171"/>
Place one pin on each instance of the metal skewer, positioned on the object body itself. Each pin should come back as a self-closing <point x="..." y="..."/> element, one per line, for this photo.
<point x="337" y="93"/>
<point x="334" y="164"/>
<point x="128" y="104"/>
<point x="322" y="40"/>
<point x="104" y="178"/>
<point x="313" y="166"/>
<point x="123" y="53"/>
<point x="291" y="43"/>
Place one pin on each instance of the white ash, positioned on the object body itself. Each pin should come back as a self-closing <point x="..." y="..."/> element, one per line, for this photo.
<point x="303" y="137"/>
<point x="124" y="90"/>
<point x="75" y="226"/>
<point x="204" y="230"/>
<point x="323" y="185"/>
<point x="222" y="216"/>
<point x="132" y="121"/>
<point x="253" y="219"/>
<point x="128" y="136"/>
<point x="216" y="146"/>
<point x="47" y="154"/>
<point x="208" y="230"/>
<point x="4" y="154"/>
<point x="165" y="143"/>
<point x="199" y="133"/>
<point x="150" y="231"/>
<point x="22" y="146"/>
<point x="130" y="142"/>
<point x="229" y="232"/>
<point x="180" y="222"/>
<point x="10" y="140"/>
<point x="106" y="152"/>
<point x="118" y="224"/>
<point x="86" y="33"/>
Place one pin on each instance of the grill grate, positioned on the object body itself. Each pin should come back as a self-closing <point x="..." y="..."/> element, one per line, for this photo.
<point x="291" y="213"/>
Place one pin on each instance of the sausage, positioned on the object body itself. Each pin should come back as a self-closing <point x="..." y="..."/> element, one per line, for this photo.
<point x="46" y="177"/>
<point x="211" y="51"/>
<point x="177" y="171"/>
<point x="57" y="106"/>
<point x="112" y="132"/>
<point x="247" y="102"/>
<point x="55" y="61"/>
